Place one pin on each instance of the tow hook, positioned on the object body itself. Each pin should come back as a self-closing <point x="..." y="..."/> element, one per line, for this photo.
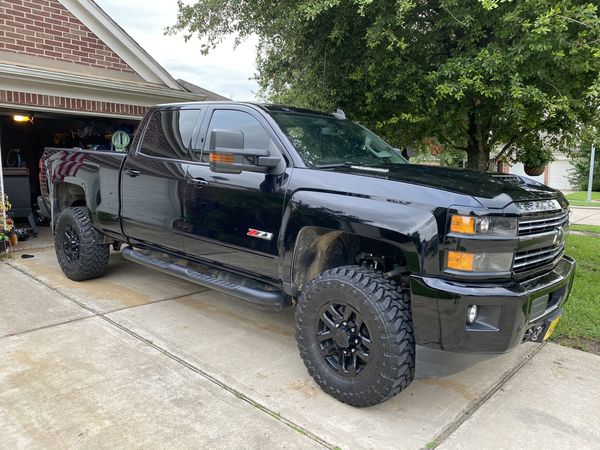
<point x="535" y="333"/>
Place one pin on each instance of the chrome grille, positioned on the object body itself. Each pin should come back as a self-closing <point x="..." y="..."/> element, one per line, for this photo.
<point x="541" y="224"/>
<point x="531" y="259"/>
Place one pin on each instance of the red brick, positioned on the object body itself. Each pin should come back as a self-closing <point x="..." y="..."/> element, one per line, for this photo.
<point x="23" y="9"/>
<point x="12" y="23"/>
<point x="52" y="54"/>
<point x="70" y="46"/>
<point x="24" y="20"/>
<point x="45" y="46"/>
<point x="35" y="29"/>
<point x="60" y="28"/>
<point x="54" y="33"/>
<point x="40" y="2"/>
<point x="52" y="21"/>
<point x="52" y="10"/>
<point x="17" y="48"/>
<point x="35" y="51"/>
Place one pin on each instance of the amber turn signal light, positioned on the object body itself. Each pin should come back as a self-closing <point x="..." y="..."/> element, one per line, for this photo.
<point x="462" y="224"/>
<point x="214" y="157"/>
<point x="461" y="261"/>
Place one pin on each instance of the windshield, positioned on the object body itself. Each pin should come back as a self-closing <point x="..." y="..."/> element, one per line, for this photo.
<point x="324" y="141"/>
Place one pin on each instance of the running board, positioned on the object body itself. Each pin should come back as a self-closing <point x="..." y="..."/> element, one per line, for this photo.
<point x="226" y="282"/>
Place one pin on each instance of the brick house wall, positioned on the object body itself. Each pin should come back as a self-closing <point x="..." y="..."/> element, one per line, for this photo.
<point x="44" y="28"/>
<point x="72" y="104"/>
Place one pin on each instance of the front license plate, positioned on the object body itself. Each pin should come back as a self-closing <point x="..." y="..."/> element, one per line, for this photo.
<point x="551" y="328"/>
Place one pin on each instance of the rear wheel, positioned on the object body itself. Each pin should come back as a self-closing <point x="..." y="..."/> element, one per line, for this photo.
<point x="79" y="254"/>
<point x="354" y="332"/>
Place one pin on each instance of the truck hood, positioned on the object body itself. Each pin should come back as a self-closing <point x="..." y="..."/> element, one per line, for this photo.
<point x="493" y="190"/>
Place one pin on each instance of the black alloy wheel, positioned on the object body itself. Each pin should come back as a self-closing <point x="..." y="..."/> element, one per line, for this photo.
<point x="80" y="251"/>
<point x="71" y="243"/>
<point x="355" y="335"/>
<point x="344" y="339"/>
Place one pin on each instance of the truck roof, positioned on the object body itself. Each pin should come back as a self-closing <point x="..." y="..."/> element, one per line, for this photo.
<point x="266" y="106"/>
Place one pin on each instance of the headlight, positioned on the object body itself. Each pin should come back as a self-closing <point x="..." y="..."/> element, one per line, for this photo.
<point x="479" y="262"/>
<point x="485" y="225"/>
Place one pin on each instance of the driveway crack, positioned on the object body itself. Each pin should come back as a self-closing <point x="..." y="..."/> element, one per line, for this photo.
<point x="479" y="402"/>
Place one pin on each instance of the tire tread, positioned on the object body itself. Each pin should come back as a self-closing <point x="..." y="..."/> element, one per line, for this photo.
<point x="93" y="257"/>
<point x="392" y="306"/>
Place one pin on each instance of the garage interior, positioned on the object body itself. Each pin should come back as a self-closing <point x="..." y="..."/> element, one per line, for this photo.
<point x="23" y="137"/>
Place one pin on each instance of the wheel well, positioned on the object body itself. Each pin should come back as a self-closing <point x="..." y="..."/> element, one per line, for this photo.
<point x="319" y="249"/>
<point x="69" y="195"/>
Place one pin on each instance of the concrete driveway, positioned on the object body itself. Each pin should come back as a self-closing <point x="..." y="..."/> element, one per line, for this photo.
<point x="585" y="216"/>
<point x="140" y="359"/>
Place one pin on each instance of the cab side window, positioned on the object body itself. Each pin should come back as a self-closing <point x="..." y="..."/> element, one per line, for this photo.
<point x="169" y="134"/>
<point x="255" y="136"/>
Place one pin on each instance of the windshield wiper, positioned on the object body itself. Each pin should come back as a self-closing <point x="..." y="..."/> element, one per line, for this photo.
<point x="341" y="164"/>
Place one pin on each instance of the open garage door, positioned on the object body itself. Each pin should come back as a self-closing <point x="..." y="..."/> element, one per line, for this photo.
<point x="23" y="137"/>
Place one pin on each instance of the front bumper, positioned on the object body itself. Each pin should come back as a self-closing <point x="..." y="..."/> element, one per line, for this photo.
<point x="509" y="313"/>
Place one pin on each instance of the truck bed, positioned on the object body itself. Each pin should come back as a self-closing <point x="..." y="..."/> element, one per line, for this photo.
<point x="90" y="173"/>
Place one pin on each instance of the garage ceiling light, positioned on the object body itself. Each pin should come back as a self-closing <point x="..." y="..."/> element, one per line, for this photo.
<point x="22" y="118"/>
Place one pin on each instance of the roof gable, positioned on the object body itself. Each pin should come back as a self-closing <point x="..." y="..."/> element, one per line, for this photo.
<point x="107" y="30"/>
<point x="69" y="35"/>
<point x="123" y="45"/>
<point x="48" y="30"/>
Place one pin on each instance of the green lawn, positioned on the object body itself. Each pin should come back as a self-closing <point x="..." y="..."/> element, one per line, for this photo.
<point x="585" y="228"/>
<point x="579" y="198"/>
<point x="580" y="325"/>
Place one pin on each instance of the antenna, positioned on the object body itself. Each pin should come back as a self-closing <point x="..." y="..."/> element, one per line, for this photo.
<point x="339" y="114"/>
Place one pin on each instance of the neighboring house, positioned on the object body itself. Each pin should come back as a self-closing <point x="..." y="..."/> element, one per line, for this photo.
<point x="556" y="175"/>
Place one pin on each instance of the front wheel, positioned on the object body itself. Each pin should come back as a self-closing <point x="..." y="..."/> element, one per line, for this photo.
<point x="79" y="254"/>
<point x="355" y="335"/>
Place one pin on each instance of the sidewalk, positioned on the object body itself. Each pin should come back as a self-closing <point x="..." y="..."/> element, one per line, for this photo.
<point x="585" y="216"/>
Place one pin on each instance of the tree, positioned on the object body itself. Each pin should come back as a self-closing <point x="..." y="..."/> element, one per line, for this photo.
<point x="487" y="77"/>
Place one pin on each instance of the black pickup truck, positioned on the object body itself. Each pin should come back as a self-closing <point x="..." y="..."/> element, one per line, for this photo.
<point x="287" y="207"/>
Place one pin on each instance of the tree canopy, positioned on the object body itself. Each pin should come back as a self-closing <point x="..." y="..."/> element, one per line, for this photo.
<point x="492" y="78"/>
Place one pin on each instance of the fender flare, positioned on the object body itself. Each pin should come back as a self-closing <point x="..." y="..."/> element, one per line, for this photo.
<point x="412" y="230"/>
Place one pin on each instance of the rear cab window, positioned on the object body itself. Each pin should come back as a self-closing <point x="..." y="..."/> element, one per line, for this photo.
<point x="169" y="133"/>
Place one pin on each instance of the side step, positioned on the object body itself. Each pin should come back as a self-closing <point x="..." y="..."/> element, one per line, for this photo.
<point x="226" y="282"/>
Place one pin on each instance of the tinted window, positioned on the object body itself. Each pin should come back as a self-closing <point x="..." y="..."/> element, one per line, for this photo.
<point x="169" y="134"/>
<point x="255" y="135"/>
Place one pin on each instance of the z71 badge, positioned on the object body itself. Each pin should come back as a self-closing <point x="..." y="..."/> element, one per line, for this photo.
<point x="259" y="234"/>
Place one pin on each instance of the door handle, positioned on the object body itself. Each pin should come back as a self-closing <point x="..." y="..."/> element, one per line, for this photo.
<point x="133" y="172"/>
<point x="198" y="182"/>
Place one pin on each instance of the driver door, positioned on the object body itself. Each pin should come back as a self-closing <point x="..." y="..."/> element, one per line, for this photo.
<point x="222" y="210"/>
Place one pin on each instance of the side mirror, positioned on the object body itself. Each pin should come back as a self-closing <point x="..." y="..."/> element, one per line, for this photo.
<point x="228" y="155"/>
<point x="402" y="152"/>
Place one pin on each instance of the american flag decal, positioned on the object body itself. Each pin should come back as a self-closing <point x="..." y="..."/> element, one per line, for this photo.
<point x="64" y="164"/>
<point x="259" y="234"/>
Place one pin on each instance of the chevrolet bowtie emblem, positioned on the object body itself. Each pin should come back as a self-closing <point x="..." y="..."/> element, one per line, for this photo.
<point x="559" y="236"/>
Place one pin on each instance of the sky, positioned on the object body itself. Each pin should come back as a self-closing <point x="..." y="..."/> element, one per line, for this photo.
<point x="224" y="70"/>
